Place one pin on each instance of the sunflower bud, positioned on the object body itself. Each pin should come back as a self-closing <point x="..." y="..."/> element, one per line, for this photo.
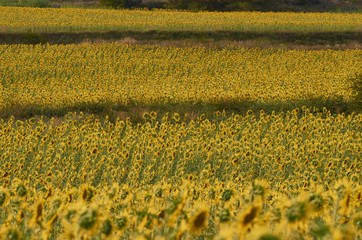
<point x="316" y="201"/>
<point x="87" y="219"/>
<point x="121" y="222"/>
<point x="296" y="212"/>
<point x="226" y="195"/>
<point x="21" y="190"/>
<point x="107" y="227"/>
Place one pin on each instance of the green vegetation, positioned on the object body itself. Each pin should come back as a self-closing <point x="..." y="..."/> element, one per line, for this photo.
<point x="121" y="3"/>
<point x="26" y="3"/>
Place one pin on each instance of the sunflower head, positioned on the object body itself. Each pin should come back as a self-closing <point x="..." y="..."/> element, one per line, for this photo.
<point x="296" y="212"/>
<point x="226" y="195"/>
<point x="39" y="210"/>
<point x="87" y="193"/>
<point x="249" y="215"/>
<point x="107" y="227"/>
<point x="198" y="222"/>
<point x="11" y="233"/>
<point x="94" y="151"/>
<point x="153" y="115"/>
<point x="224" y="215"/>
<point x="87" y="219"/>
<point x="21" y="190"/>
<point x="121" y="222"/>
<point x="316" y="200"/>
<point x="146" y="116"/>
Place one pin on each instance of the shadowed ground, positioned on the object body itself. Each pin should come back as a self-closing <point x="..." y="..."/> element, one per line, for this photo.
<point x="193" y="110"/>
<point x="330" y="40"/>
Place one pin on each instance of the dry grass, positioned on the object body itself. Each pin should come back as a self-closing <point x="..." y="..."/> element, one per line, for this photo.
<point x="226" y="43"/>
<point x="262" y="44"/>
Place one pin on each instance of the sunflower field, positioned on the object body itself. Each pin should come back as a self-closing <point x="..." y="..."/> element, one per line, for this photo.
<point x="50" y="77"/>
<point x="278" y="176"/>
<point x="16" y="19"/>
<point x="290" y="171"/>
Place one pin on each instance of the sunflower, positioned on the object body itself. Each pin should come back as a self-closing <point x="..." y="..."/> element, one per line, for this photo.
<point x="146" y="116"/>
<point x="51" y="222"/>
<point x="259" y="189"/>
<point x="235" y="161"/>
<point x="262" y="233"/>
<point x="4" y="196"/>
<point x="176" y="117"/>
<point x="345" y="202"/>
<point x="357" y="221"/>
<point x="20" y="189"/>
<point x="107" y="227"/>
<point x="87" y="220"/>
<point x="153" y="115"/>
<point x="249" y="215"/>
<point x="182" y="229"/>
<point x="11" y="233"/>
<point x="175" y="215"/>
<point x="298" y="211"/>
<point x="198" y="221"/>
<point x="352" y="167"/>
<point x="227" y="232"/>
<point x="20" y="217"/>
<point x="37" y="214"/>
<point x="94" y="151"/>
<point x="358" y="197"/>
<point x="109" y="149"/>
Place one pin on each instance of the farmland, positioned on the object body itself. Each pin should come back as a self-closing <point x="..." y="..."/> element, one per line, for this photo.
<point x="150" y="179"/>
<point x="49" y="79"/>
<point x="113" y="140"/>
<point x="14" y="19"/>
